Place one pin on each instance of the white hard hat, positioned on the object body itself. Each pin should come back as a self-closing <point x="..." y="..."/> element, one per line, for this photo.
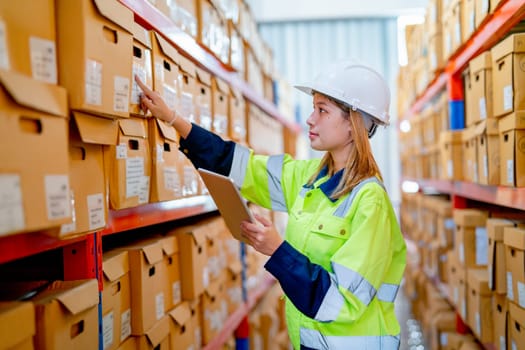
<point x="356" y="85"/>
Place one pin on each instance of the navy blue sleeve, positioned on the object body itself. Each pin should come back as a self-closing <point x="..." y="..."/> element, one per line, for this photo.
<point x="207" y="150"/>
<point x="303" y="282"/>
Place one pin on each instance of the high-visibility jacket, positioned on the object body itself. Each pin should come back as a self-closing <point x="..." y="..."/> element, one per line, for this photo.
<point x="342" y="260"/>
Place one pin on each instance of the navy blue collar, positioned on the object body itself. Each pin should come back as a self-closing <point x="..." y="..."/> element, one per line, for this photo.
<point x="329" y="185"/>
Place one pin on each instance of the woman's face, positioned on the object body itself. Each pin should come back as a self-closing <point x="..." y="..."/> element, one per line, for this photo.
<point x="329" y="130"/>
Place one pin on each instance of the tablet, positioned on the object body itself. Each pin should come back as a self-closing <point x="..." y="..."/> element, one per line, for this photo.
<point x="232" y="206"/>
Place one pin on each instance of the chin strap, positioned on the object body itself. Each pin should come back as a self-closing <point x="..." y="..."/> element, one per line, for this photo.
<point x="372" y="130"/>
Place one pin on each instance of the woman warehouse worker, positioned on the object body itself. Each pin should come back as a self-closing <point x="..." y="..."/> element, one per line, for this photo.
<point x="343" y="256"/>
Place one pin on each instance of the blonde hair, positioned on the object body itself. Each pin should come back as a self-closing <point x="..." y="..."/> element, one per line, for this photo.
<point x="360" y="164"/>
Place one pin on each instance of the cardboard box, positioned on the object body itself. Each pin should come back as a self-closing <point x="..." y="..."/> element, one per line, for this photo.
<point x="166" y="73"/>
<point x="157" y="337"/>
<point x="17" y="325"/>
<point x="129" y="344"/>
<point x="236" y="54"/>
<point x="186" y="18"/>
<point x="468" y="19"/>
<point x="507" y="76"/>
<point x="193" y="256"/>
<point x="471" y="240"/>
<point x="147" y="285"/>
<point x="488" y="153"/>
<point x="214" y="308"/>
<point x="95" y="62"/>
<point x="512" y="149"/>
<point x="216" y="259"/>
<point x="479" y="304"/>
<point x="203" y="99"/>
<point x="29" y="42"/>
<point x="514" y="240"/>
<point x="128" y="165"/>
<point x="88" y="135"/>
<point x="221" y="103"/>
<point x="166" y="171"/>
<point x="237" y="116"/>
<point x="116" y="299"/>
<point x="188" y="90"/>
<point x="141" y="66"/>
<point x="171" y="272"/>
<point x="441" y="323"/>
<point x="500" y="320"/>
<point x="182" y="333"/>
<point x="481" y="79"/>
<point x="470" y="157"/>
<point x="451" y="155"/>
<point x="196" y="321"/>
<point x="67" y="315"/>
<point x="516" y="327"/>
<point x="35" y="161"/>
<point x="233" y="286"/>
<point x="496" y="260"/>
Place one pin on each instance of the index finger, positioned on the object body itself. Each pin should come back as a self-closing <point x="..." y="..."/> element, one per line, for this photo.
<point x="147" y="91"/>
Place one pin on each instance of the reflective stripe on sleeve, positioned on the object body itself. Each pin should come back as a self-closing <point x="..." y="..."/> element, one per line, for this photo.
<point x="241" y="155"/>
<point x="315" y="340"/>
<point x="274" y="169"/>
<point x="387" y="292"/>
<point x="331" y="305"/>
<point x="355" y="283"/>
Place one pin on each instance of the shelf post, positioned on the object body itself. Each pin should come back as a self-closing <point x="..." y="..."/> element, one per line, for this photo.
<point x="456" y="104"/>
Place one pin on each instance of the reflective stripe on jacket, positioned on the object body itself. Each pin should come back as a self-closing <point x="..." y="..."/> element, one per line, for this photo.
<point x="355" y="239"/>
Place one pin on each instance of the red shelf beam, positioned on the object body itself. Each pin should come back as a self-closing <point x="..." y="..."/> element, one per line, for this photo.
<point x="156" y="213"/>
<point x="151" y="18"/>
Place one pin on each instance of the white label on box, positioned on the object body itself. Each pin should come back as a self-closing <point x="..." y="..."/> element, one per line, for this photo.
<point x="43" y="60"/>
<point x="491" y="279"/>
<point x="450" y="169"/>
<point x="433" y="60"/>
<point x="482" y="246"/>
<point x="187" y="107"/>
<point x="198" y="335"/>
<point x="57" y="197"/>
<point x="190" y="181"/>
<point x="482" y="108"/>
<point x="11" y="204"/>
<point x="205" y="117"/>
<point x="125" y="325"/>
<point x="121" y="151"/>
<point x="464" y="309"/>
<point x="508" y="98"/>
<point x="475" y="166"/>
<point x="176" y="295"/>
<point x="97" y="217"/>
<point x="159" y="151"/>
<point x="484" y="6"/>
<point x="171" y="179"/>
<point x="139" y="71"/>
<point x="472" y="22"/>
<point x="93" y="83"/>
<point x="462" y="253"/>
<point x="514" y="346"/>
<point x="144" y="190"/>
<point x="170" y="96"/>
<point x="456" y="295"/>
<point x="521" y="293"/>
<point x="478" y="323"/>
<point x="450" y="224"/>
<point x="159" y="71"/>
<point x="134" y="176"/>
<point x="443" y="339"/>
<point x="510" y="290"/>
<point x="107" y="330"/>
<point x="205" y="277"/>
<point x="159" y="305"/>
<point x="502" y="342"/>
<point x="70" y="226"/>
<point x="121" y="94"/>
<point x="485" y="166"/>
<point x="457" y="33"/>
<point x="510" y="171"/>
<point x="4" y="52"/>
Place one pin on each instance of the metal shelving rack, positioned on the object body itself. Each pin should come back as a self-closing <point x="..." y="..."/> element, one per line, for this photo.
<point x="82" y="255"/>
<point x="495" y="26"/>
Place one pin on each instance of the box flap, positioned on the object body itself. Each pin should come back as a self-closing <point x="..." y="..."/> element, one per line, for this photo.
<point x="166" y="48"/>
<point x="169" y="245"/>
<point x="152" y="253"/>
<point x="141" y="35"/>
<point x="514" y="237"/>
<point x="115" y="264"/>
<point x="512" y="43"/>
<point x="199" y="235"/>
<point x="480" y="128"/>
<point x="512" y="121"/>
<point x="167" y="131"/>
<point x="495" y="228"/>
<point x="481" y="62"/>
<point x="35" y="94"/>
<point x="133" y="127"/>
<point x="221" y="85"/>
<point x="203" y="77"/>
<point x="236" y="93"/>
<point x="517" y="313"/>
<point x="76" y="296"/>
<point x="478" y="279"/>
<point x="96" y="130"/>
<point x="470" y="217"/>
<point x="451" y="136"/>
<point x="17" y="322"/>
<point x="213" y="289"/>
<point x="235" y="267"/>
<point x="181" y="314"/>
<point x="187" y="66"/>
<point x="158" y="332"/>
<point x="117" y="13"/>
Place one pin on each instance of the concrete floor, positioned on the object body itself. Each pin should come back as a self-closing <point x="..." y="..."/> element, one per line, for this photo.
<point x="411" y="334"/>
